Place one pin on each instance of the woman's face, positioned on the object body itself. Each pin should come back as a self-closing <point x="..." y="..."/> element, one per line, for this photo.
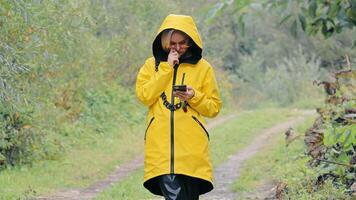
<point x="179" y="42"/>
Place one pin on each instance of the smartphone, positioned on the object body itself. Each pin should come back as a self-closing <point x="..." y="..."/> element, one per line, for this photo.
<point x="182" y="88"/>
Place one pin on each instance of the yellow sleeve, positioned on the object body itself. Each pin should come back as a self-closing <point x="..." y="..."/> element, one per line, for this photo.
<point x="207" y="102"/>
<point x="150" y="84"/>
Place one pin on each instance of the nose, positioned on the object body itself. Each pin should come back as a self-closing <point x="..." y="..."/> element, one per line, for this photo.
<point x="177" y="47"/>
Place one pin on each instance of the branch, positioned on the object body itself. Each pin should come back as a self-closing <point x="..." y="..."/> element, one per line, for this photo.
<point x="332" y="162"/>
<point x="348" y="61"/>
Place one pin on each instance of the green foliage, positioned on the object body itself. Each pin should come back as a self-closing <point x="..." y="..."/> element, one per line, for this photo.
<point x="338" y="126"/>
<point x="246" y="39"/>
<point x="64" y="63"/>
<point x="286" y="83"/>
<point x="328" y="17"/>
<point x="343" y="136"/>
<point x="68" y="67"/>
<point x="18" y="143"/>
<point x="290" y="81"/>
<point x="278" y="165"/>
<point x="260" y="21"/>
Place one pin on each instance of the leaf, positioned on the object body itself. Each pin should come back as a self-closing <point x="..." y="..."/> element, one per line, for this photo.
<point x="2" y="157"/>
<point x="338" y="28"/>
<point x="329" y="137"/>
<point x="302" y="21"/>
<point x="312" y="8"/>
<point x="340" y="170"/>
<point x="353" y="5"/>
<point x="294" y="28"/>
<point x="324" y="29"/>
<point x="348" y="136"/>
<point x="334" y="9"/>
<point x="343" y="158"/>
<point x="318" y="22"/>
<point x="284" y="19"/>
<point x="350" y="175"/>
<point x="241" y="3"/>
<point x="330" y="21"/>
<point x="241" y="24"/>
<point x="351" y="14"/>
<point x="330" y="25"/>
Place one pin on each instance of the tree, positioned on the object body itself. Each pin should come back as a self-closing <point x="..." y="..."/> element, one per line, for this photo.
<point x="328" y="16"/>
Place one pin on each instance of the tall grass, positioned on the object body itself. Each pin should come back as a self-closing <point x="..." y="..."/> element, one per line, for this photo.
<point x="289" y="82"/>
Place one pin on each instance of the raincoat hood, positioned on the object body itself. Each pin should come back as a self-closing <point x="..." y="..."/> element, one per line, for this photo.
<point x="187" y="25"/>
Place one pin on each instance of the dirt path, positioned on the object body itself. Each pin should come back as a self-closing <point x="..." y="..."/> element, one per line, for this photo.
<point x="120" y="173"/>
<point x="228" y="172"/>
<point x="225" y="174"/>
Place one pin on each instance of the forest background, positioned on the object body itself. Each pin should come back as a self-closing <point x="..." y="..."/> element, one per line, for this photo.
<point x="68" y="68"/>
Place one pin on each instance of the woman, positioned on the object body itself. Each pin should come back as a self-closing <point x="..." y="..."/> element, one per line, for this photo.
<point x="177" y="163"/>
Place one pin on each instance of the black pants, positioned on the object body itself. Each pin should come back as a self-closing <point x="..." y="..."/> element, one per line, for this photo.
<point x="179" y="187"/>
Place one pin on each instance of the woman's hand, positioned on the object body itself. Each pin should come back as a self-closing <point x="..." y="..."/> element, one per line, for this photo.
<point x="184" y="96"/>
<point x="173" y="57"/>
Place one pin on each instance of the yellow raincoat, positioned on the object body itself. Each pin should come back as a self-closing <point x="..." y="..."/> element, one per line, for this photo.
<point x="176" y="141"/>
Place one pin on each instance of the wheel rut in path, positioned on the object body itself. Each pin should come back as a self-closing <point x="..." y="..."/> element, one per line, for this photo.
<point x="119" y="174"/>
<point x="228" y="172"/>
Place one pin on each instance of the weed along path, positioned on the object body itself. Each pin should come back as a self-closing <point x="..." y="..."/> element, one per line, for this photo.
<point x="229" y="171"/>
<point x="120" y="173"/>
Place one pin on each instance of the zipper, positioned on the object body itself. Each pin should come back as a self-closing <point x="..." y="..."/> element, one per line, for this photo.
<point x="172" y="118"/>
<point x="149" y="124"/>
<point x="206" y="132"/>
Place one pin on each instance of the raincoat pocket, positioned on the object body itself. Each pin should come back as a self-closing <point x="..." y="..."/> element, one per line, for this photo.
<point x="201" y="125"/>
<point x="149" y="124"/>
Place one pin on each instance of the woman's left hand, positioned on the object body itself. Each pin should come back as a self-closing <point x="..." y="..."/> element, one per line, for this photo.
<point x="184" y="96"/>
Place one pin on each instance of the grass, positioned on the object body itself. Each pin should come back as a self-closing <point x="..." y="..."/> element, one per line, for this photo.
<point x="224" y="141"/>
<point x="78" y="168"/>
<point x="91" y="156"/>
<point x="277" y="163"/>
<point x="130" y="188"/>
<point x="240" y="132"/>
<point x="93" y="146"/>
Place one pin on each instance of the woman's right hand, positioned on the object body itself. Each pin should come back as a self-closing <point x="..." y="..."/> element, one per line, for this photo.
<point x="173" y="57"/>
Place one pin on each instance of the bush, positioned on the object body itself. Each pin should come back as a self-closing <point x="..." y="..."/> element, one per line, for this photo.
<point x="286" y="83"/>
<point x="62" y="65"/>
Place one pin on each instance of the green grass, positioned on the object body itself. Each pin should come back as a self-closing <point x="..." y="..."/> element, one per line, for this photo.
<point x="93" y="145"/>
<point x="128" y="189"/>
<point x="308" y="103"/>
<point x="78" y="168"/>
<point x="240" y="132"/>
<point x="224" y="140"/>
<point x="277" y="163"/>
